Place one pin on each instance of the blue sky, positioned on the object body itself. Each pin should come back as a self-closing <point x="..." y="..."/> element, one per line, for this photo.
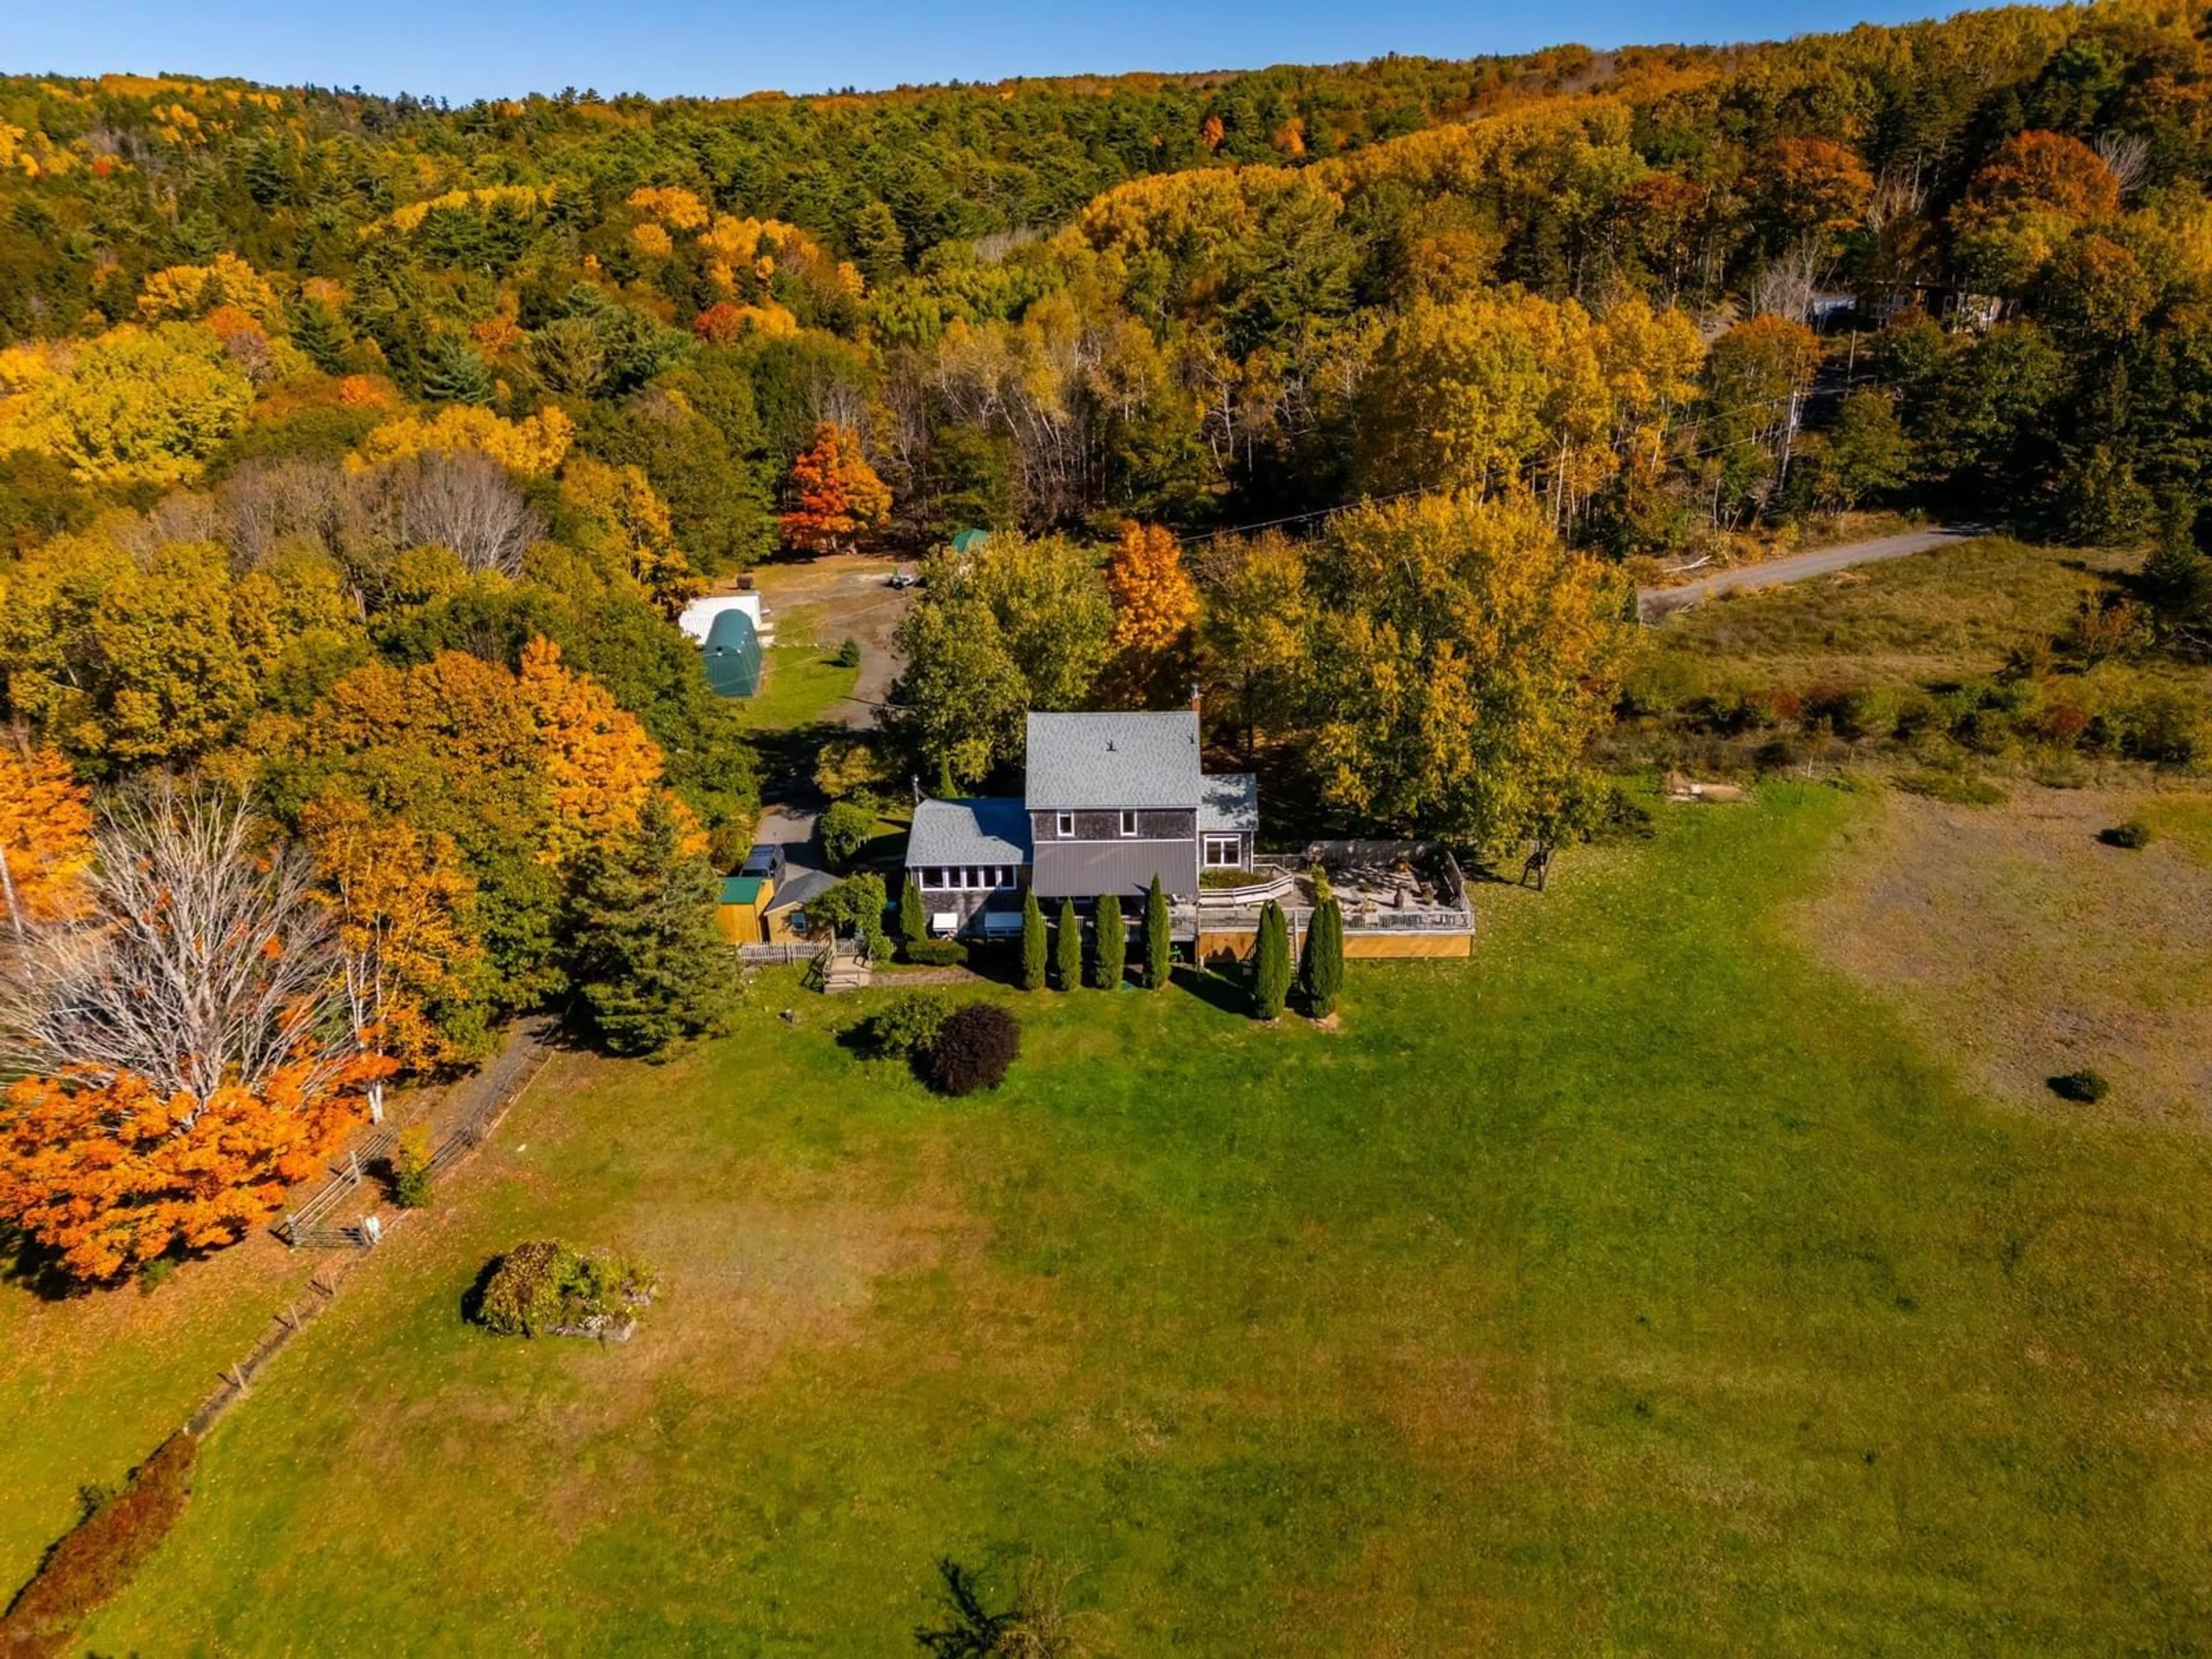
<point x="465" y="49"/>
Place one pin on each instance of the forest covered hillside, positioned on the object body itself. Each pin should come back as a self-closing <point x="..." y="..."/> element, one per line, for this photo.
<point x="355" y="452"/>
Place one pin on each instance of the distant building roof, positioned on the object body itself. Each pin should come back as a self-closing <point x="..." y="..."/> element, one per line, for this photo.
<point x="800" y="885"/>
<point x="966" y="541"/>
<point x="741" y="890"/>
<point x="1231" y="802"/>
<point x="994" y="830"/>
<point x="696" y="619"/>
<point x="1115" y="759"/>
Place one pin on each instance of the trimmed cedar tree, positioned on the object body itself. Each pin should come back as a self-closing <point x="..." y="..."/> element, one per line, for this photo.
<point x="1159" y="938"/>
<point x="1068" y="947"/>
<point x="913" y="921"/>
<point x="1033" y="943"/>
<point x="1113" y="946"/>
<point x="1271" y="974"/>
<point x="1323" y="969"/>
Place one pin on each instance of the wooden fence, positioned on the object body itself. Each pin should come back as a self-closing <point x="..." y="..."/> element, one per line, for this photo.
<point x="489" y="1093"/>
<point x="288" y="1321"/>
<point x="778" y="956"/>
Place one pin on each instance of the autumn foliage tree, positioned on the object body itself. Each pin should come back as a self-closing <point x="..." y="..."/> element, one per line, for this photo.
<point x="183" y="1052"/>
<point x="1155" y="608"/>
<point x="837" y="493"/>
<point x="410" y="952"/>
<point x="45" y="837"/>
<point x="1464" y="658"/>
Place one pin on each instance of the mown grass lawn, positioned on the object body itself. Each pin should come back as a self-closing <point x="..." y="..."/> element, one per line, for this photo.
<point x="799" y="686"/>
<point x="1637" y="1288"/>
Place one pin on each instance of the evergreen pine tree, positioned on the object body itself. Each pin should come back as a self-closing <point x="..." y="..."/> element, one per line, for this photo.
<point x="1159" y="938"/>
<point x="1068" y="947"/>
<point x="316" y="333"/>
<point x="1113" y="946"/>
<point x="453" y="374"/>
<point x="914" y="924"/>
<point x="1323" y="970"/>
<point x="1271" y="974"/>
<point x="1032" y="943"/>
<point x="644" y="956"/>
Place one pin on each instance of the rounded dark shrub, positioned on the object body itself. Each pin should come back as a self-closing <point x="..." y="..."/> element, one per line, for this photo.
<point x="973" y="1049"/>
<point x="2086" y="1087"/>
<point x="2134" y="834"/>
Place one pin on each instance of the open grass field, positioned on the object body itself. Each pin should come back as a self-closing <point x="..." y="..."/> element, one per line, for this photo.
<point x="1933" y="617"/>
<point x="1643" y="1286"/>
<point x="91" y="1383"/>
<point x="801" y="685"/>
<point x="2014" y="938"/>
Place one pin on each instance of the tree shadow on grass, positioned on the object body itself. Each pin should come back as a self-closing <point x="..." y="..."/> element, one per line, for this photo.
<point x="35" y="1269"/>
<point x="1215" y="989"/>
<point x="787" y="758"/>
<point x="472" y="1299"/>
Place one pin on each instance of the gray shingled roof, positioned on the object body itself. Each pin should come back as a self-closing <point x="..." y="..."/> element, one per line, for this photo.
<point x="1231" y="802"/>
<point x="1117" y="759"/>
<point x="994" y="830"/>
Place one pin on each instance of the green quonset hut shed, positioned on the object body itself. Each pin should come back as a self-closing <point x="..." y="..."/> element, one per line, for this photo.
<point x="732" y="654"/>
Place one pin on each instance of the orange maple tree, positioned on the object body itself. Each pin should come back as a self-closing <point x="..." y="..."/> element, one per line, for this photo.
<point x="45" y="837"/>
<point x="407" y="930"/>
<point x="2048" y="170"/>
<point x="602" y="764"/>
<point x="185" y="1055"/>
<point x="838" y="493"/>
<point x="1155" y="600"/>
<point x="111" y="1173"/>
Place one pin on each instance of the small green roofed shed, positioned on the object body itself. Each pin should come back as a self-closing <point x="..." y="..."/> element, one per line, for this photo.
<point x="966" y="541"/>
<point x="733" y="655"/>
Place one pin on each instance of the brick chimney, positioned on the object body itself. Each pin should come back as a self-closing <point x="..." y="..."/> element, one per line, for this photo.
<point x="1197" y="700"/>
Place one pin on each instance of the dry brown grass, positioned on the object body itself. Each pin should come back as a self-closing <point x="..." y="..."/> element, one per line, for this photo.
<point x="2013" y="940"/>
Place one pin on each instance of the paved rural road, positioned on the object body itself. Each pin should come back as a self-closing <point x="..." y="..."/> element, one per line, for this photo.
<point x="1653" y="602"/>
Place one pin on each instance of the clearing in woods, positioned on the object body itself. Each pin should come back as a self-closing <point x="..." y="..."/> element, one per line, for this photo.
<point x="1645" y="1278"/>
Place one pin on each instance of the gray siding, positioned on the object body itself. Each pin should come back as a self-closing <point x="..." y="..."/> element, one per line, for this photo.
<point x="1088" y="869"/>
<point x="1244" y="845"/>
<point x="1153" y="824"/>
<point x="969" y="902"/>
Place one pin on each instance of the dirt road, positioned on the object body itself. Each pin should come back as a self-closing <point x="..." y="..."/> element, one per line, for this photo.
<point x="841" y="597"/>
<point x="1653" y="602"/>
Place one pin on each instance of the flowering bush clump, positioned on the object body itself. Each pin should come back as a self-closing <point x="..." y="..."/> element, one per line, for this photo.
<point x="546" y="1288"/>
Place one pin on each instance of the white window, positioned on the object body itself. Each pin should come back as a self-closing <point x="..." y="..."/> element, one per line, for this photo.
<point x="1221" y="853"/>
<point x="1128" y="823"/>
<point x="1066" y="825"/>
